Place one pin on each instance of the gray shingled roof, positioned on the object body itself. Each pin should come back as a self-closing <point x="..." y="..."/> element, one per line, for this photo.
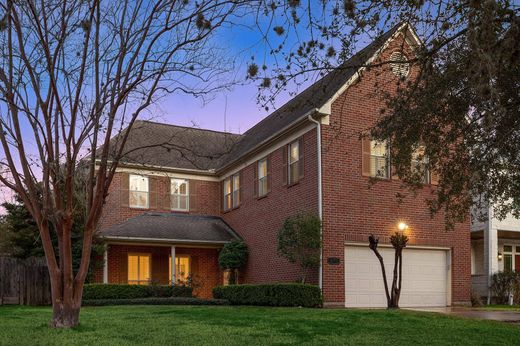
<point x="173" y="227"/>
<point x="181" y="147"/>
<point x="156" y="144"/>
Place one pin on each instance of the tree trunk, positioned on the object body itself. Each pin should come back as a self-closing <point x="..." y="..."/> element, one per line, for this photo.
<point x="65" y="315"/>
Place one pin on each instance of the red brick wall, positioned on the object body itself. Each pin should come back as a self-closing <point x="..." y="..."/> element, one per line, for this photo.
<point x="353" y="209"/>
<point x="205" y="201"/>
<point x="204" y="266"/>
<point x="259" y="220"/>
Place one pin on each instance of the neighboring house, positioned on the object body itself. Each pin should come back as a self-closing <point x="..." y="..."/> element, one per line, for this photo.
<point x="181" y="202"/>
<point x="495" y="246"/>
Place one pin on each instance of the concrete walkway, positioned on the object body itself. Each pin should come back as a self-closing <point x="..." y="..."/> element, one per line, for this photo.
<point x="492" y="315"/>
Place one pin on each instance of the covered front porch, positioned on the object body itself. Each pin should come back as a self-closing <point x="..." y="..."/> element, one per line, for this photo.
<point x="163" y="248"/>
<point x="491" y="253"/>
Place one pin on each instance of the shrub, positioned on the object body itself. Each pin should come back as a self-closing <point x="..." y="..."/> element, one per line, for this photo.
<point x="476" y="300"/>
<point x="116" y="291"/>
<point x="155" y="301"/>
<point x="503" y="284"/>
<point x="270" y="294"/>
<point x="233" y="256"/>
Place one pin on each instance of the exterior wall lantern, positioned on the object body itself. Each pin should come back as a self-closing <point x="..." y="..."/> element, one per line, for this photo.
<point x="499" y="256"/>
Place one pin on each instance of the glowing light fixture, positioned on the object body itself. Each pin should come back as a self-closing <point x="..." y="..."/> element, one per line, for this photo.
<point x="402" y="226"/>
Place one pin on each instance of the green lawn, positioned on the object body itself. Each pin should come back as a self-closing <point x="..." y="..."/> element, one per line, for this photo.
<point x="214" y="325"/>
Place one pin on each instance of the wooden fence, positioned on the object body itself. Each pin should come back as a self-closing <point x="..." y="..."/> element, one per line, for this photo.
<point x="24" y="282"/>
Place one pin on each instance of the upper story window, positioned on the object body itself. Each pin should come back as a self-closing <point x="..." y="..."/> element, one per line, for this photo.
<point x="376" y="158"/>
<point x="420" y="164"/>
<point x="399" y="64"/>
<point x="294" y="162"/>
<point x="236" y="190"/>
<point x="263" y="179"/>
<point x="231" y="189"/>
<point x="180" y="199"/>
<point x="139" y="191"/>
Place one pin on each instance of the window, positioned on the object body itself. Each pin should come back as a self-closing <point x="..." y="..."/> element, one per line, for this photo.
<point x="420" y="164"/>
<point x="180" y="199"/>
<point x="399" y="64"/>
<point x="263" y="183"/>
<point x="294" y="162"/>
<point x="379" y="159"/>
<point x="231" y="189"/>
<point x="139" y="269"/>
<point x="236" y="190"/>
<point x="508" y="258"/>
<point x="138" y="191"/>
<point x="182" y="269"/>
<point x="227" y="194"/>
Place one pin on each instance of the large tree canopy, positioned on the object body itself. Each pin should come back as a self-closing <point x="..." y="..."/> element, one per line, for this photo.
<point x="463" y="107"/>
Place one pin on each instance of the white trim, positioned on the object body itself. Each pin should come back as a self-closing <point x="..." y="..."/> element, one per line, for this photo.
<point x="173" y="264"/>
<point x="165" y="244"/>
<point x="327" y="106"/>
<point x="172" y="174"/>
<point x="423" y="247"/>
<point x="140" y="167"/>
<point x="320" y="196"/>
<point x="162" y="240"/>
<point x="268" y="150"/>
<point x="105" y="266"/>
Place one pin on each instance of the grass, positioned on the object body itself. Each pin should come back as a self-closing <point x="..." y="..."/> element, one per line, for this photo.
<point x="217" y="325"/>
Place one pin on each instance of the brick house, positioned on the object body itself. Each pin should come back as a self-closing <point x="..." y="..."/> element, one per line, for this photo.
<point x="181" y="193"/>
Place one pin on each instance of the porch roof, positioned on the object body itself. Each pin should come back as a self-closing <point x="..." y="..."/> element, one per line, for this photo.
<point x="167" y="227"/>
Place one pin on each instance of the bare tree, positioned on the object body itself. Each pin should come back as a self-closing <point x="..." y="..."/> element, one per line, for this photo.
<point x="73" y="74"/>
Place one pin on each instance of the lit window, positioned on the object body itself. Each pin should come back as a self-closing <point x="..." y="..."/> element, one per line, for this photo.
<point x="379" y="166"/>
<point x="180" y="194"/>
<point x="236" y="190"/>
<point x="182" y="269"/>
<point x="262" y="177"/>
<point x="139" y="269"/>
<point x="227" y="194"/>
<point x="294" y="162"/>
<point x="138" y="191"/>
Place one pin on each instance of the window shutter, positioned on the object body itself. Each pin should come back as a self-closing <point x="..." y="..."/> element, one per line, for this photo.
<point x="365" y="160"/>
<point x="152" y="194"/>
<point x="166" y="197"/>
<point x="194" y="203"/>
<point x="434" y="177"/>
<point x="301" y="154"/>
<point x="284" y="165"/>
<point x="255" y="179"/>
<point x="240" y="189"/>
<point x="268" y="173"/>
<point x="124" y="191"/>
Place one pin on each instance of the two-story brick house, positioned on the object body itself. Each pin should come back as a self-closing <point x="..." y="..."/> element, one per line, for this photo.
<point x="181" y="193"/>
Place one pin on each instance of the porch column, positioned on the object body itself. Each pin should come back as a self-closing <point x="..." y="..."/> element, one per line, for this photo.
<point x="105" y="266"/>
<point x="490" y="254"/>
<point x="173" y="264"/>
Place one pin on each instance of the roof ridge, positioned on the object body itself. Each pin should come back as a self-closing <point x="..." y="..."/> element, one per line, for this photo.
<point x="187" y="127"/>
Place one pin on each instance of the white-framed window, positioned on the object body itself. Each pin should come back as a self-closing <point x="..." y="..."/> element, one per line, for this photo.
<point x="294" y="162"/>
<point x="228" y="193"/>
<point x="508" y="258"/>
<point x="182" y="269"/>
<point x="379" y="159"/>
<point x="139" y="269"/>
<point x="399" y="64"/>
<point x="138" y="191"/>
<point x="263" y="182"/>
<point x="420" y="164"/>
<point x="236" y="190"/>
<point x="180" y="198"/>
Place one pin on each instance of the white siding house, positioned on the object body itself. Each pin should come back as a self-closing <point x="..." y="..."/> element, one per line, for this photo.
<point x="495" y="246"/>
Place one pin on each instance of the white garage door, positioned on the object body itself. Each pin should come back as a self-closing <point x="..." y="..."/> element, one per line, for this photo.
<point x="425" y="277"/>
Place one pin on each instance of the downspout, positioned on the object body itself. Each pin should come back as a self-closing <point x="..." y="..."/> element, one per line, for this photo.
<point x="320" y="196"/>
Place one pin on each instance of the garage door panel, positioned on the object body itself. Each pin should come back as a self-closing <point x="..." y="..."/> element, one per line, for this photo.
<point x="424" y="277"/>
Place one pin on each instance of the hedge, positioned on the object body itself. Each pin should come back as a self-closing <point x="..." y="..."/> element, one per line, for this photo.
<point x="115" y="291"/>
<point x="270" y="294"/>
<point x="154" y="301"/>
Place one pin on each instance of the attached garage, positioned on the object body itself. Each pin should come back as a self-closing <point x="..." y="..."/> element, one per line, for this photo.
<point x="426" y="277"/>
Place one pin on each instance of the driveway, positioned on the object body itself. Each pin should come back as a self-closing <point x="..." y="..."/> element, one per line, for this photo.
<point x="493" y="315"/>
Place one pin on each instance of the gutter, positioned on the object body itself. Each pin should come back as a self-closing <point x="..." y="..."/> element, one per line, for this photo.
<point x="320" y="195"/>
